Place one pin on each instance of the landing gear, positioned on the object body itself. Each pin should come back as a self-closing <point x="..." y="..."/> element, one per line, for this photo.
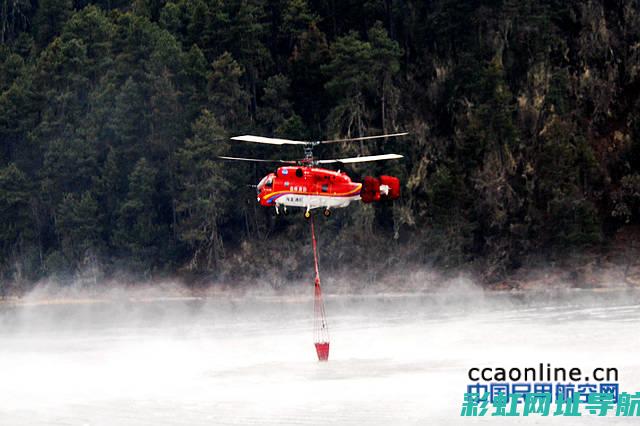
<point x="307" y="214"/>
<point x="326" y="212"/>
<point x="284" y="210"/>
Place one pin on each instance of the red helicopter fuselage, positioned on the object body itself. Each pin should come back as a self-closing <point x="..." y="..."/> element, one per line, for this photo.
<point x="313" y="187"/>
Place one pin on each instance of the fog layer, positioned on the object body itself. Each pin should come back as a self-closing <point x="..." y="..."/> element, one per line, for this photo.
<point x="395" y="359"/>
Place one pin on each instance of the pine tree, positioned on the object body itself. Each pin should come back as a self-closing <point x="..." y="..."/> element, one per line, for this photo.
<point x="138" y="234"/>
<point x="14" y="17"/>
<point x="247" y="31"/>
<point x="204" y="191"/>
<point x="363" y="76"/>
<point x="308" y="78"/>
<point x="385" y="58"/>
<point x="49" y="19"/>
<point x="17" y="227"/>
<point x="129" y="121"/>
<point x="276" y="108"/>
<point x="78" y="227"/>
<point x="296" y="19"/>
<point x="227" y="98"/>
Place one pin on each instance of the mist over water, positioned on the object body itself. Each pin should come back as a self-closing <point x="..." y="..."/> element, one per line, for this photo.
<point x="395" y="358"/>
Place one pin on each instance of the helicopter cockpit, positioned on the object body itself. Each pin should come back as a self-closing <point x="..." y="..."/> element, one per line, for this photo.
<point x="266" y="182"/>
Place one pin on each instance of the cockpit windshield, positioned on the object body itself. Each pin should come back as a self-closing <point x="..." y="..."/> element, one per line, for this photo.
<point x="266" y="181"/>
<point x="262" y="182"/>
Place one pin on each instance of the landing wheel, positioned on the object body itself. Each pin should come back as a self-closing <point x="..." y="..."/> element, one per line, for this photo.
<point x="307" y="214"/>
<point x="326" y="212"/>
<point x="285" y="211"/>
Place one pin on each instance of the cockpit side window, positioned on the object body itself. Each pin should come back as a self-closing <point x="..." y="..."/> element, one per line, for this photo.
<point x="269" y="183"/>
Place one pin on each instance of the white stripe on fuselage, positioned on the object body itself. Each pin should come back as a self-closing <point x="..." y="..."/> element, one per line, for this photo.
<point x="315" y="201"/>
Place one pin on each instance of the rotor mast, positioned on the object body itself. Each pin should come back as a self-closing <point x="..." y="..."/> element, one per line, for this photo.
<point x="308" y="152"/>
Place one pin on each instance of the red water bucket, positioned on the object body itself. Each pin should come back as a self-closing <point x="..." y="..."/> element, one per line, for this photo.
<point x="322" y="349"/>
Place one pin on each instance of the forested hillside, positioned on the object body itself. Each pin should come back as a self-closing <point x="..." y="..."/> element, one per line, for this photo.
<point x="524" y="120"/>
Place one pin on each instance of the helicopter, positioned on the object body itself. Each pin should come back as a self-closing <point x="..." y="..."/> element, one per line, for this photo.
<point x="306" y="184"/>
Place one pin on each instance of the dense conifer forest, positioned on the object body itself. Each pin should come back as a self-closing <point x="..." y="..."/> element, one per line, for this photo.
<point x="524" y="118"/>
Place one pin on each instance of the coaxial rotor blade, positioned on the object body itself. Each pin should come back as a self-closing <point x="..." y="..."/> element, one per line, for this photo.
<point x="364" y="138"/>
<point x="361" y="159"/>
<point x="268" y="141"/>
<point x="257" y="160"/>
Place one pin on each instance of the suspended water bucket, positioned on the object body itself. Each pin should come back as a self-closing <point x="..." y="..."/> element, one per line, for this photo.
<point x="322" y="349"/>
<point x="320" y="328"/>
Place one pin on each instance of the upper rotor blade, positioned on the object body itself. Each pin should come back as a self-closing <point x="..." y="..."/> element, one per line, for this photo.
<point x="269" y="141"/>
<point x="362" y="159"/>
<point x="256" y="160"/>
<point x="364" y="138"/>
